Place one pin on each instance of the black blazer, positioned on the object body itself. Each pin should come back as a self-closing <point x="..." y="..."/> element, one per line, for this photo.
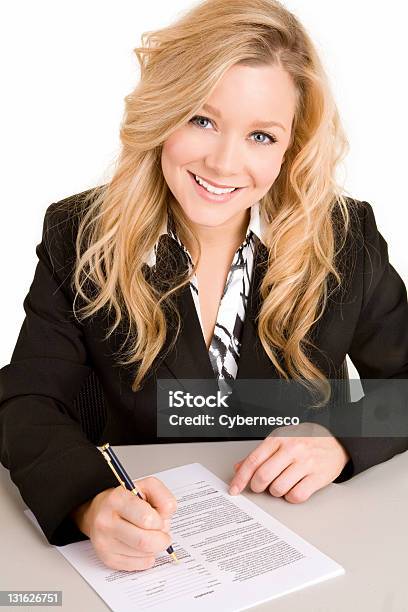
<point x="55" y="466"/>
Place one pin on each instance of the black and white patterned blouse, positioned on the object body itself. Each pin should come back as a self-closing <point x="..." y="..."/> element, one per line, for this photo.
<point x="224" y="350"/>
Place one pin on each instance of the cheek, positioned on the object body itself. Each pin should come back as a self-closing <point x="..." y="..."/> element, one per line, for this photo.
<point x="180" y="148"/>
<point x="266" y="172"/>
<point x="172" y="151"/>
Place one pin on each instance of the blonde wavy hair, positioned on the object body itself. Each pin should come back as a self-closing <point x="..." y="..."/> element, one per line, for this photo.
<point x="120" y="223"/>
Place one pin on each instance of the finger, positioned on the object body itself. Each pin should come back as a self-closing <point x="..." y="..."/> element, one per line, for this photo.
<point x="304" y="489"/>
<point x="252" y="463"/>
<point x="117" y="547"/>
<point x="138" y="512"/>
<point x="237" y="465"/>
<point x="158" y="496"/>
<point x="129" y="564"/>
<point x="288" y="478"/>
<point x="270" y="469"/>
<point x="141" y="540"/>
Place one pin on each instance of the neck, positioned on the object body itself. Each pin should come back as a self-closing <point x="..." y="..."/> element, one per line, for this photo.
<point x="225" y="238"/>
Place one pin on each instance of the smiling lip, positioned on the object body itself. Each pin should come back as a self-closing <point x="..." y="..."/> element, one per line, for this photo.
<point x="216" y="184"/>
<point x="213" y="197"/>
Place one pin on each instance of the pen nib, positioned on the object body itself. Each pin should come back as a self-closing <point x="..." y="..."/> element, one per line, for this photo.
<point x="173" y="554"/>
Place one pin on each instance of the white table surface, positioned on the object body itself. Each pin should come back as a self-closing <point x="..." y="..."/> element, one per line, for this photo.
<point x="361" y="524"/>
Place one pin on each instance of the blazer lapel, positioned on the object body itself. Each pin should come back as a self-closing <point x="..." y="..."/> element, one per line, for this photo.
<point x="189" y="356"/>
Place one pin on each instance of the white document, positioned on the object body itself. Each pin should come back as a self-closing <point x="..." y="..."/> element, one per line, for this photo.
<point x="232" y="554"/>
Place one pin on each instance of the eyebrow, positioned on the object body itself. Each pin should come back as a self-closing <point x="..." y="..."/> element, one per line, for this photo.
<point x="264" y="124"/>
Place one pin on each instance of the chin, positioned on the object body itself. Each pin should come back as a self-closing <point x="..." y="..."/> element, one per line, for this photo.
<point x="210" y="218"/>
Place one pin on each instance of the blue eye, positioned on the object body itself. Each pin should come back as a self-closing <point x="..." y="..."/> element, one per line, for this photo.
<point x="271" y="138"/>
<point x="197" y="118"/>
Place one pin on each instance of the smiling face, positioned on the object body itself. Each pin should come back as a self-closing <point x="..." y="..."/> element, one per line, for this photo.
<point x="228" y="143"/>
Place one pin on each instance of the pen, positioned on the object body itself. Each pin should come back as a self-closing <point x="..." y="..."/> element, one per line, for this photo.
<point x="124" y="479"/>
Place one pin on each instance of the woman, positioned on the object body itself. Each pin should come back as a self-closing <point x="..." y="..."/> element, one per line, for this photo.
<point x="222" y="248"/>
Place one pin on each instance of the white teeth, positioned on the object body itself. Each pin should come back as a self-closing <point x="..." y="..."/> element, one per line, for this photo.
<point x="212" y="189"/>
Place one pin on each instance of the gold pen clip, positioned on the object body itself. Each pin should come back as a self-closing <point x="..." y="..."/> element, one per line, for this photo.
<point x="108" y="459"/>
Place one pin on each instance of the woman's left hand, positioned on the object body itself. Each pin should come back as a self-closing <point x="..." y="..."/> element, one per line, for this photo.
<point x="306" y="458"/>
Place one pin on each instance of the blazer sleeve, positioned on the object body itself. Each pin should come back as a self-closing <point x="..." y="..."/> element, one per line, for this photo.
<point x="379" y="348"/>
<point x="54" y="465"/>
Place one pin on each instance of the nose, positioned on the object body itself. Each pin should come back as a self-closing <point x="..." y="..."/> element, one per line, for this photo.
<point x="225" y="159"/>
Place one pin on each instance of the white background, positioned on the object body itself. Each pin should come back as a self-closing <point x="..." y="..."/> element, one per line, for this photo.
<point x="67" y="66"/>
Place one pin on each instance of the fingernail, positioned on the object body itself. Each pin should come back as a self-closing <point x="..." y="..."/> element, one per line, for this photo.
<point x="234" y="490"/>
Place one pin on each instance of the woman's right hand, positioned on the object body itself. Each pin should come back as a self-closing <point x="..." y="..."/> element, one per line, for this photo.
<point x="126" y="531"/>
